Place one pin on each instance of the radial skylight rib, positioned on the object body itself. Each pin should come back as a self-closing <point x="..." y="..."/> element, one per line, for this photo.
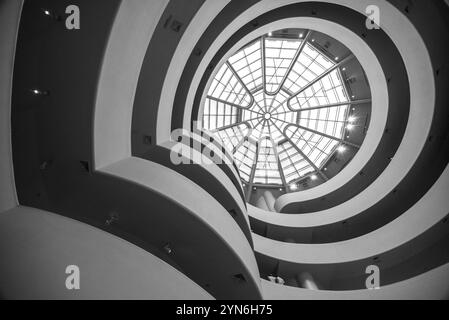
<point x="245" y="156"/>
<point x="315" y="146"/>
<point x="248" y="65"/>
<point x="228" y="87"/>
<point x="303" y="110"/>
<point x="329" y="90"/>
<point x="308" y="67"/>
<point x="234" y="136"/>
<point x="218" y="114"/>
<point x="293" y="164"/>
<point x="267" y="170"/>
<point x="279" y="55"/>
<point x="329" y="121"/>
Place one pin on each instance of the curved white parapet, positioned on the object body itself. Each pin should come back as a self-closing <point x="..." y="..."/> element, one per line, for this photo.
<point x="10" y="11"/>
<point x="422" y="93"/>
<point x="128" y="42"/>
<point x="198" y="158"/>
<point x="218" y="152"/>
<point x="194" y="31"/>
<point x="427" y="286"/>
<point x="378" y="87"/>
<point x="112" y="137"/>
<point x="422" y="89"/>
<point x="195" y="200"/>
<point x="426" y="213"/>
<point x="37" y="247"/>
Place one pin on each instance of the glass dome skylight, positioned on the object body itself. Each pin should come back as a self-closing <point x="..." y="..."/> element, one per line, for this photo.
<point x="281" y="108"/>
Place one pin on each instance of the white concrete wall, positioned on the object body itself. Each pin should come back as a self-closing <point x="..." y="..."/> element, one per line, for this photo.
<point x="427" y="286"/>
<point x="37" y="246"/>
<point x="9" y="21"/>
<point x="119" y="76"/>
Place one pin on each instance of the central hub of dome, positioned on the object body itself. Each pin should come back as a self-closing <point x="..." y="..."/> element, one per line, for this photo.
<point x="267" y="116"/>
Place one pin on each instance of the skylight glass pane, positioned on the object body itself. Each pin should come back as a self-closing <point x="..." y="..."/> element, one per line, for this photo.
<point x="216" y="112"/>
<point x="293" y="124"/>
<point x="267" y="170"/>
<point x="248" y="65"/>
<point x="309" y="66"/>
<point x="228" y="88"/>
<point x="279" y="56"/>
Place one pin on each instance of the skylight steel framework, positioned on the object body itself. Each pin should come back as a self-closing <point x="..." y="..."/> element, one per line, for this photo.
<point x="282" y="108"/>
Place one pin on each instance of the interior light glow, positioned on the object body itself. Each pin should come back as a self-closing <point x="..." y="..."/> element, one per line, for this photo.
<point x="249" y="113"/>
<point x="341" y="149"/>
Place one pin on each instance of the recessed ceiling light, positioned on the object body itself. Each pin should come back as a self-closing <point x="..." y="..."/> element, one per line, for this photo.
<point x="341" y="149"/>
<point x="350" y="126"/>
<point x="47" y="12"/>
<point x="301" y="35"/>
<point x="352" y="119"/>
<point x="270" y="34"/>
<point x="293" y="187"/>
<point x="313" y="177"/>
<point x="336" y="58"/>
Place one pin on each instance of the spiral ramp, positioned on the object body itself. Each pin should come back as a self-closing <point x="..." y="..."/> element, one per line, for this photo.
<point x="88" y="178"/>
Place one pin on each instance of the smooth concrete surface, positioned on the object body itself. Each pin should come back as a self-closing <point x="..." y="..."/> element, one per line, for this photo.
<point x="422" y="87"/>
<point x="30" y="239"/>
<point x="197" y="158"/>
<point x="9" y="23"/>
<point x="216" y="150"/>
<point x="37" y="246"/>
<point x="134" y="25"/>
<point x="422" y="91"/>
<point x="195" y="29"/>
<point x="427" y="286"/>
<point x="269" y="199"/>
<point x="427" y="212"/>
<point x="262" y="203"/>
<point x="375" y="77"/>
<point x="197" y="201"/>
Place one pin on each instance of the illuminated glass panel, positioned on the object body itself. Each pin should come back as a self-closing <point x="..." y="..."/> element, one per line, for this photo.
<point x="248" y="65"/>
<point x="232" y="137"/>
<point x="292" y="163"/>
<point x="267" y="170"/>
<point x="308" y="67"/>
<point x="328" y="90"/>
<point x="245" y="156"/>
<point x="316" y="147"/>
<point x="229" y="88"/>
<point x="217" y="114"/>
<point x="288" y="129"/>
<point x="279" y="55"/>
